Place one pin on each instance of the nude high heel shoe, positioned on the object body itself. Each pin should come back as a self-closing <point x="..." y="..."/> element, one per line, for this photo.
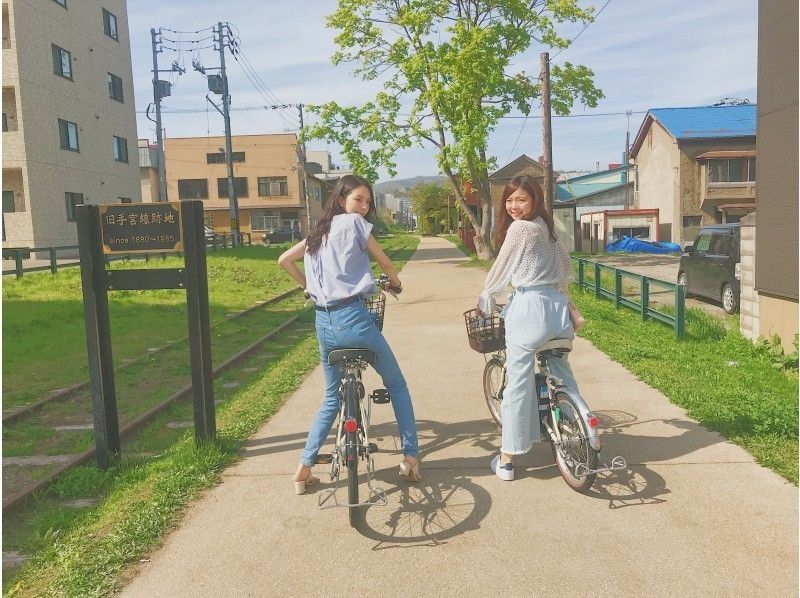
<point x="300" y="487"/>
<point x="410" y="473"/>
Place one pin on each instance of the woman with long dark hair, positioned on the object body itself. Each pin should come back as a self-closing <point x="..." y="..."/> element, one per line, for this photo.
<point x="337" y="273"/>
<point x="537" y="265"/>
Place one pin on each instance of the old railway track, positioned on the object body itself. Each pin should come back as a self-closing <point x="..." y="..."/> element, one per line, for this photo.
<point x="17" y="489"/>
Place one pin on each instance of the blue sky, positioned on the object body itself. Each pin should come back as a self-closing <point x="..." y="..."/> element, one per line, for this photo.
<point x="644" y="53"/>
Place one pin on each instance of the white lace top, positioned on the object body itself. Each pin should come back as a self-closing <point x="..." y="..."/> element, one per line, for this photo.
<point x="528" y="257"/>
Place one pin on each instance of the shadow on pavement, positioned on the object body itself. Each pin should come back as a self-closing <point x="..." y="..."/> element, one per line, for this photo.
<point x="440" y="507"/>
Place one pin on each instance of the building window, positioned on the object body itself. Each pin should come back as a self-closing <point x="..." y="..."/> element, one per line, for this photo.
<point x="264" y="220"/>
<point x="192" y="188"/>
<point x="8" y="202"/>
<point x="68" y="132"/>
<point x="120" y="149"/>
<point x="239" y="185"/>
<point x="272" y="185"/>
<point x="586" y="229"/>
<point x="634" y="232"/>
<point x="72" y="200"/>
<point x="219" y="157"/>
<point x="734" y="170"/>
<point x="62" y="62"/>
<point x="317" y="193"/>
<point x="124" y="200"/>
<point x="110" y="25"/>
<point x="5" y="122"/>
<point x="691" y="221"/>
<point x="114" y="87"/>
<point x="62" y="3"/>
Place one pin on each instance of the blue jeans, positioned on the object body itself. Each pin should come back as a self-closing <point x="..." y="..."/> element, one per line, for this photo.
<point x="533" y="316"/>
<point x="353" y="326"/>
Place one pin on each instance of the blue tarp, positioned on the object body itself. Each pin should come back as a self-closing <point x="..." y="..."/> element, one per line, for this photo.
<point x="639" y="246"/>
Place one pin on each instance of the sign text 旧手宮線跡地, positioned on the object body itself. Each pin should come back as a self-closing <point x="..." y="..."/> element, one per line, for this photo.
<point x="133" y="228"/>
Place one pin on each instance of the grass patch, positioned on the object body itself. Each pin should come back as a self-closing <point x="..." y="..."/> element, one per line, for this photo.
<point x="84" y="554"/>
<point x="721" y="378"/>
<point x="41" y="307"/>
<point x="473" y="262"/>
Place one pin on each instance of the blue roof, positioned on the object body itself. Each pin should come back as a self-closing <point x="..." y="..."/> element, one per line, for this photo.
<point x="566" y="191"/>
<point x="707" y="122"/>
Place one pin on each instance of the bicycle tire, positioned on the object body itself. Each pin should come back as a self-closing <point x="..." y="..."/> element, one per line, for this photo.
<point x="573" y="430"/>
<point x="351" y="409"/>
<point x="494" y="382"/>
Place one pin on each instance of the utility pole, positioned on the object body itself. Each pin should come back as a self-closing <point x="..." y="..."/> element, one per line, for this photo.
<point x="301" y="156"/>
<point x="161" y="89"/>
<point x="158" y="93"/>
<point x="226" y="116"/>
<point x="547" y="132"/>
<point x="627" y="161"/>
<point x="302" y="149"/>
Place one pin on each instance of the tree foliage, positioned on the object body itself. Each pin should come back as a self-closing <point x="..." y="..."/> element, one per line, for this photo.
<point x="447" y="77"/>
<point x="429" y="202"/>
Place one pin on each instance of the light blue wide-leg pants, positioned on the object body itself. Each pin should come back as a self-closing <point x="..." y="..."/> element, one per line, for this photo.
<point x="533" y="316"/>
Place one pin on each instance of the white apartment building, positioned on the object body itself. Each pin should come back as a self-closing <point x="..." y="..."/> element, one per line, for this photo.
<point x="69" y="123"/>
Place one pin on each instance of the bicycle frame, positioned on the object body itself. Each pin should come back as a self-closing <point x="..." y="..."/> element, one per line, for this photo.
<point x="360" y="449"/>
<point x="555" y="385"/>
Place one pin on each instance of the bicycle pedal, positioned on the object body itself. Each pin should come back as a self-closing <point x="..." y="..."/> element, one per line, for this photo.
<point x="324" y="459"/>
<point x="372" y="448"/>
<point x="380" y="396"/>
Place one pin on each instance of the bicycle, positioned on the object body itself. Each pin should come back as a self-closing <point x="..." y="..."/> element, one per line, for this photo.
<point x="564" y="416"/>
<point x="352" y="428"/>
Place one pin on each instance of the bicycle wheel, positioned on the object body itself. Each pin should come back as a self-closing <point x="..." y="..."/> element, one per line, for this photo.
<point x="494" y="382"/>
<point x="574" y="448"/>
<point x="351" y="452"/>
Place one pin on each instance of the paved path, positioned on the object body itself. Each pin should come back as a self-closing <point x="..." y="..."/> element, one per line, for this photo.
<point x="693" y="515"/>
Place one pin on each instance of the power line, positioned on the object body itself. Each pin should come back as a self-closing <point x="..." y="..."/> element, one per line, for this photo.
<point x="582" y="30"/>
<point x="507" y="117"/>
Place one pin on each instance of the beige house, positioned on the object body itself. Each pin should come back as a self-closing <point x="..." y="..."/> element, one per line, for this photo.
<point x="769" y="298"/>
<point x="696" y="166"/>
<point x="598" y="229"/>
<point x="69" y="123"/>
<point x="267" y="175"/>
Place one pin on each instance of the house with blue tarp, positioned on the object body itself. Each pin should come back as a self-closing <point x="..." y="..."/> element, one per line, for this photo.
<point x="696" y="166"/>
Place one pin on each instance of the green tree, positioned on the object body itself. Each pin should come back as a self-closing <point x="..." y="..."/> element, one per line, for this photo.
<point x="447" y="80"/>
<point x="429" y="202"/>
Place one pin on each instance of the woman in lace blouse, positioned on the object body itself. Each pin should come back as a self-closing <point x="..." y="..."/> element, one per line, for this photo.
<point x="537" y="265"/>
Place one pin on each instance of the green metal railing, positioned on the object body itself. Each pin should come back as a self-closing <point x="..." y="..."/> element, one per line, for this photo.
<point x="643" y="306"/>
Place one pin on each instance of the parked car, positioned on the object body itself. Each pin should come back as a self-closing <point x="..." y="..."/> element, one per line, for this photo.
<point x="710" y="266"/>
<point x="282" y="234"/>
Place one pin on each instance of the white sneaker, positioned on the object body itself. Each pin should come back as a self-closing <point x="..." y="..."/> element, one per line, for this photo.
<point x="504" y="472"/>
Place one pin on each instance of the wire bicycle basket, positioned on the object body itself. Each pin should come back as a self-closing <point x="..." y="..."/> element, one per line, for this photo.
<point x="376" y="306"/>
<point x="486" y="332"/>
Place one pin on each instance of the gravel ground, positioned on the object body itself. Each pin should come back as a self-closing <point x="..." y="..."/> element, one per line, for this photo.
<point x="662" y="267"/>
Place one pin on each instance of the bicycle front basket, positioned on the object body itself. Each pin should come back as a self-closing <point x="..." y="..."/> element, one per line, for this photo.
<point x="376" y="305"/>
<point x="486" y="332"/>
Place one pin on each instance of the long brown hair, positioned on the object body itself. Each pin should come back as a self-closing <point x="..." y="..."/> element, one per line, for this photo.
<point x="341" y="190"/>
<point x="503" y="221"/>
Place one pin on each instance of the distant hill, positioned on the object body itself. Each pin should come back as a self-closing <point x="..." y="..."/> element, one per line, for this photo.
<point x="393" y="186"/>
